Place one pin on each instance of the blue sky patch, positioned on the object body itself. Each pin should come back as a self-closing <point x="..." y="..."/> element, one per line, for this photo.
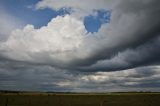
<point x="38" y="18"/>
<point x="93" y="22"/>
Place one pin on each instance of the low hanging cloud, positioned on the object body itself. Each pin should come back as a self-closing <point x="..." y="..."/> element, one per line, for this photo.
<point x="65" y="43"/>
<point x="29" y="77"/>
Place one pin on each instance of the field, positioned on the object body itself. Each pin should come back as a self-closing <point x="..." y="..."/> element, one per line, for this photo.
<point x="79" y="99"/>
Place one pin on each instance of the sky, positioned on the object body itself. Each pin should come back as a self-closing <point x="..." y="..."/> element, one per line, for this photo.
<point x="80" y="46"/>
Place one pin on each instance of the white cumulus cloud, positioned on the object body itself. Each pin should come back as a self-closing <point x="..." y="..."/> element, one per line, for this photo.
<point x="60" y="40"/>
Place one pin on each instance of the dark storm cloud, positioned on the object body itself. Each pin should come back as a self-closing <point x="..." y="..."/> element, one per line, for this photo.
<point x="24" y="76"/>
<point x="143" y="55"/>
<point x="145" y="29"/>
<point x="29" y="77"/>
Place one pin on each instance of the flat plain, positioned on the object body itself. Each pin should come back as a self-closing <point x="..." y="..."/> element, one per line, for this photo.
<point x="79" y="99"/>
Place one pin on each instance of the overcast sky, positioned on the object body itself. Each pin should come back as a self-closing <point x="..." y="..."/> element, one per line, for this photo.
<point x="80" y="45"/>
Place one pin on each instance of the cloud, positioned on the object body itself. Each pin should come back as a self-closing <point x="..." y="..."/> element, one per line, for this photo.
<point x="62" y="56"/>
<point x="79" y="9"/>
<point x="8" y="23"/>
<point x="143" y="55"/>
<point x="29" y="77"/>
<point x="65" y="43"/>
<point x="56" y="43"/>
<point x="56" y="4"/>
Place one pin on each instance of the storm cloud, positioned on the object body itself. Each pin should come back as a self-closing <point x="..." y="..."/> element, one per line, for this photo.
<point x="67" y="44"/>
<point x="65" y="56"/>
<point x="28" y="77"/>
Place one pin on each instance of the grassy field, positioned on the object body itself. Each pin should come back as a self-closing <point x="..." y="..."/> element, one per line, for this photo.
<point x="88" y="99"/>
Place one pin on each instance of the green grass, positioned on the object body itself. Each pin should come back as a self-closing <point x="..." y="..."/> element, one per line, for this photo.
<point x="88" y="99"/>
